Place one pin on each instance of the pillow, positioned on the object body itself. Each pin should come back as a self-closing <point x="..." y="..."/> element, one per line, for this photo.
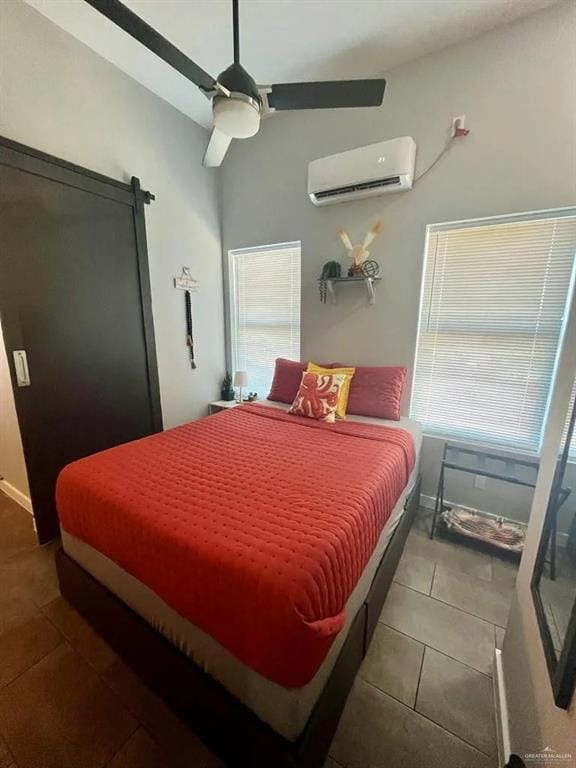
<point x="343" y="401"/>
<point x="287" y="378"/>
<point x="376" y="390"/>
<point x="318" y="395"/>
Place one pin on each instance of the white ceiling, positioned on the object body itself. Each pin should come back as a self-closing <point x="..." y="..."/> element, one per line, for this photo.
<point x="282" y="40"/>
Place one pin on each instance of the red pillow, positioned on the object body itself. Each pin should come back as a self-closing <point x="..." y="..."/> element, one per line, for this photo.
<point x="376" y="390"/>
<point x="287" y="378"/>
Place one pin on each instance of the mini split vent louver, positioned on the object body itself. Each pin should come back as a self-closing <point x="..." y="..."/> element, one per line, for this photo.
<point x="365" y="172"/>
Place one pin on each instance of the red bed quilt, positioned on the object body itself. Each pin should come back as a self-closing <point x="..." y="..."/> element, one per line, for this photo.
<point x="253" y="524"/>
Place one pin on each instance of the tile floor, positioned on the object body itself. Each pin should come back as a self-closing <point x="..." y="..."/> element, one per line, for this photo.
<point x="422" y="698"/>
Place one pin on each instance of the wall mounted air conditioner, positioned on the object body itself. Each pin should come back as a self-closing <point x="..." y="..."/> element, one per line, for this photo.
<point x="377" y="169"/>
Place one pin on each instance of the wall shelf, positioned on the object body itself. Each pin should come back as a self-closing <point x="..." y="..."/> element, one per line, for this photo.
<point x="369" y="282"/>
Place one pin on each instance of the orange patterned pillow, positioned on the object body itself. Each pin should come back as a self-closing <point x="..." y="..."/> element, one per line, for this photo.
<point x="318" y="396"/>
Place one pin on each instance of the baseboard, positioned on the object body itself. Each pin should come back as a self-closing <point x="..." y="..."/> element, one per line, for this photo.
<point x="501" y="710"/>
<point x="16" y="495"/>
<point x="429" y="502"/>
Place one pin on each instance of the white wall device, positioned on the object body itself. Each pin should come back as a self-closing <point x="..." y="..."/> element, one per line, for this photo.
<point x="377" y="169"/>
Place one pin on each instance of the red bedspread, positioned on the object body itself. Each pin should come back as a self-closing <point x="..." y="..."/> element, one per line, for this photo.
<point x="253" y="524"/>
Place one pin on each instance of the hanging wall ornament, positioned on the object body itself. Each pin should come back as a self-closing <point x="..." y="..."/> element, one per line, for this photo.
<point x="189" y="285"/>
<point x="359" y="253"/>
<point x="189" y="333"/>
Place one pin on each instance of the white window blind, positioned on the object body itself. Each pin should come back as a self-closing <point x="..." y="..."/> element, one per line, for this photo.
<point x="264" y="310"/>
<point x="493" y="301"/>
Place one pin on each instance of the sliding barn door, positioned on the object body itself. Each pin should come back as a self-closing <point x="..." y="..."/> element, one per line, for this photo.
<point x="76" y="315"/>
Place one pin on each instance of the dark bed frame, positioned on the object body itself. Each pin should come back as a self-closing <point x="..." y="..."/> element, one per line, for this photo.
<point x="227" y="727"/>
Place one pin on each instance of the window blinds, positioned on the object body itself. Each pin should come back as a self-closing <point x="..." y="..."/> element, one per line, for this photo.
<point x="264" y="310"/>
<point x="493" y="301"/>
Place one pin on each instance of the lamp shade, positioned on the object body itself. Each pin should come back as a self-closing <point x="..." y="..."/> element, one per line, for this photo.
<point x="240" y="379"/>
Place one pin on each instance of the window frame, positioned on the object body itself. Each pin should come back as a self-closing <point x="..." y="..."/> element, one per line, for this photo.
<point x="232" y="294"/>
<point x="562" y="212"/>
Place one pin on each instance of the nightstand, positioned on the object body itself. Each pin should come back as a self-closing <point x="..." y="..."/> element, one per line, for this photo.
<point x="221" y="405"/>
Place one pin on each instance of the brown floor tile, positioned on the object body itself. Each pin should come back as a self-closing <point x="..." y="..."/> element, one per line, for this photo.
<point x="59" y="714"/>
<point x="80" y="634"/>
<point x="34" y="572"/>
<point x="24" y="645"/>
<point x="6" y="760"/>
<point x="175" y="739"/>
<point x="499" y="632"/>
<point x="17" y="528"/>
<point x="138" y="699"/>
<point x="140" y="752"/>
<point x="15" y="606"/>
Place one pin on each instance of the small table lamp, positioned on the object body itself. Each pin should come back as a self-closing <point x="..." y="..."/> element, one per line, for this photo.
<point x="240" y="380"/>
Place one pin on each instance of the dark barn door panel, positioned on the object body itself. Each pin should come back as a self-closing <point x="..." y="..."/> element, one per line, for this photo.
<point x="75" y="296"/>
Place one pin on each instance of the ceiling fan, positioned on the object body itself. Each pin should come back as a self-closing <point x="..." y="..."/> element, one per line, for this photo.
<point x="238" y="103"/>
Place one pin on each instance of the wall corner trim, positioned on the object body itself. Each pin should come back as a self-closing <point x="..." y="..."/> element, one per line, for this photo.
<point x="501" y="710"/>
<point x="16" y="495"/>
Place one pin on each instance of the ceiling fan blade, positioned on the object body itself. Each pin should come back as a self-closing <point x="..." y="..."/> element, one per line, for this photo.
<point x="127" y="20"/>
<point x="326" y="95"/>
<point x="216" y="149"/>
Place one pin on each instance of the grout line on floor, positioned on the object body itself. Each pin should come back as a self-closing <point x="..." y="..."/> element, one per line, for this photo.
<point x="138" y="726"/>
<point x="485" y="556"/>
<point x="479" y="671"/>
<point x="469" y="613"/>
<point x="70" y="640"/>
<point x="433" y="577"/>
<point x="382" y="690"/>
<point x="429" y="719"/>
<point x="38" y="661"/>
<point x="419" y="678"/>
<point x="456" y="608"/>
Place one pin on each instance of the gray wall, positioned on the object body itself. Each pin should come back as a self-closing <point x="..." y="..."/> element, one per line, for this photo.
<point x="59" y="96"/>
<point x="516" y="87"/>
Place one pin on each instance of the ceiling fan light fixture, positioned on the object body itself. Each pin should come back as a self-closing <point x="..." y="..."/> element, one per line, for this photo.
<point x="237" y="116"/>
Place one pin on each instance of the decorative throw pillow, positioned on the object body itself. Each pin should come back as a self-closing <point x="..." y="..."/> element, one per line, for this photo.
<point x="376" y="390"/>
<point x="345" y="392"/>
<point x="318" y="395"/>
<point x="287" y="378"/>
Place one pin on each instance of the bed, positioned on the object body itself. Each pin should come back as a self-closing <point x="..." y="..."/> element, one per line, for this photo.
<point x="266" y="650"/>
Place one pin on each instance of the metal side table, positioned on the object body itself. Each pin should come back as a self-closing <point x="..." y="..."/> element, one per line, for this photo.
<point x="476" y="461"/>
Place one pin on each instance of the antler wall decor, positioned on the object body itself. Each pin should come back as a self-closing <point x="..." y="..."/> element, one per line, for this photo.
<point x="360" y="253"/>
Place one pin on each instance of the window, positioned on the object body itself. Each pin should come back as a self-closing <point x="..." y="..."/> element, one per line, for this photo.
<point x="494" y="295"/>
<point x="264" y="310"/>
